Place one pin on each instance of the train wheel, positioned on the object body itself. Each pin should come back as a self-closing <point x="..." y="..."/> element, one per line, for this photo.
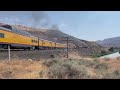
<point x="5" y="46"/>
<point x="25" y="49"/>
<point x="31" y="48"/>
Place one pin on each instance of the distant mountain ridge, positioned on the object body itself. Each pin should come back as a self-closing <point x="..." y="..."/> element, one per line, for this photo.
<point x="110" y="42"/>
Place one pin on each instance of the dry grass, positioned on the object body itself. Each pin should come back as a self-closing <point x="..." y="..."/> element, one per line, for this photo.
<point x="20" y="69"/>
<point x="72" y="68"/>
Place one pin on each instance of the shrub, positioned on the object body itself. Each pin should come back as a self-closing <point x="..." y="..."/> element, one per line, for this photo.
<point x="95" y="55"/>
<point x="103" y="53"/>
<point x="107" y="59"/>
<point x="67" y="69"/>
<point x="118" y="58"/>
<point x="88" y="63"/>
<point x="94" y="63"/>
<point x="52" y="56"/>
<point x="42" y="73"/>
<point x="50" y="62"/>
<point x="114" y="75"/>
<point x="101" y="69"/>
<point x="111" y="49"/>
<point x="101" y="66"/>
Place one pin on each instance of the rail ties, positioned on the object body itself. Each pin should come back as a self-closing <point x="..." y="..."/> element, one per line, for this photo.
<point x="6" y="50"/>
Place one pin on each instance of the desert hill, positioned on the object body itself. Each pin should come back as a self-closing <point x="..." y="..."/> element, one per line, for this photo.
<point x="82" y="46"/>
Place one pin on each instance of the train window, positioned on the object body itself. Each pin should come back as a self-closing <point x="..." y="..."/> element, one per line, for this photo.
<point x="32" y="40"/>
<point x="1" y="35"/>
<point x="7" y="26"/>
<point x="14" y="30"/>
<point x="36" y="42"/>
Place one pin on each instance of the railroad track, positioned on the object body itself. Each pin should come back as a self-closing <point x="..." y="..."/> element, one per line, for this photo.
<point x="2" y="50"/>
<point x="31" y="54"/>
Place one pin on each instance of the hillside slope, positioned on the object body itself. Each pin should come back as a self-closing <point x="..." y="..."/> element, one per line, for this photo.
<point x="83" y="47"/>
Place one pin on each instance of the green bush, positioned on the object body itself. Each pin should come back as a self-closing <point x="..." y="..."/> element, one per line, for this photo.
<point x="111" y="49"/>
<point x="102" y="53"/>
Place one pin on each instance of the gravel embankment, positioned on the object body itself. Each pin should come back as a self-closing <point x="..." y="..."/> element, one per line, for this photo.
<point x="34" y="55"/>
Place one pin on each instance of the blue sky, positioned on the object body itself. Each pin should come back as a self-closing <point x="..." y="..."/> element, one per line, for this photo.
<point x="87" y="25"/>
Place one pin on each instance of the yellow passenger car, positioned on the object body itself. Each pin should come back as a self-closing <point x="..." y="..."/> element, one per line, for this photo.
<point x="20" y="39"/>
<point x="16" y="38"/>
<point x="53" y="44"/>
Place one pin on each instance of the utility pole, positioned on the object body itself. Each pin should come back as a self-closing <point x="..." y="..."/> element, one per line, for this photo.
<point x="67" y="40"/>
<point x="9" y="51"/>
<point x="67" y="47"/>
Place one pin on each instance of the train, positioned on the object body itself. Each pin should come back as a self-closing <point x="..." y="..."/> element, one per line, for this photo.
<point x="19" y="39"/>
